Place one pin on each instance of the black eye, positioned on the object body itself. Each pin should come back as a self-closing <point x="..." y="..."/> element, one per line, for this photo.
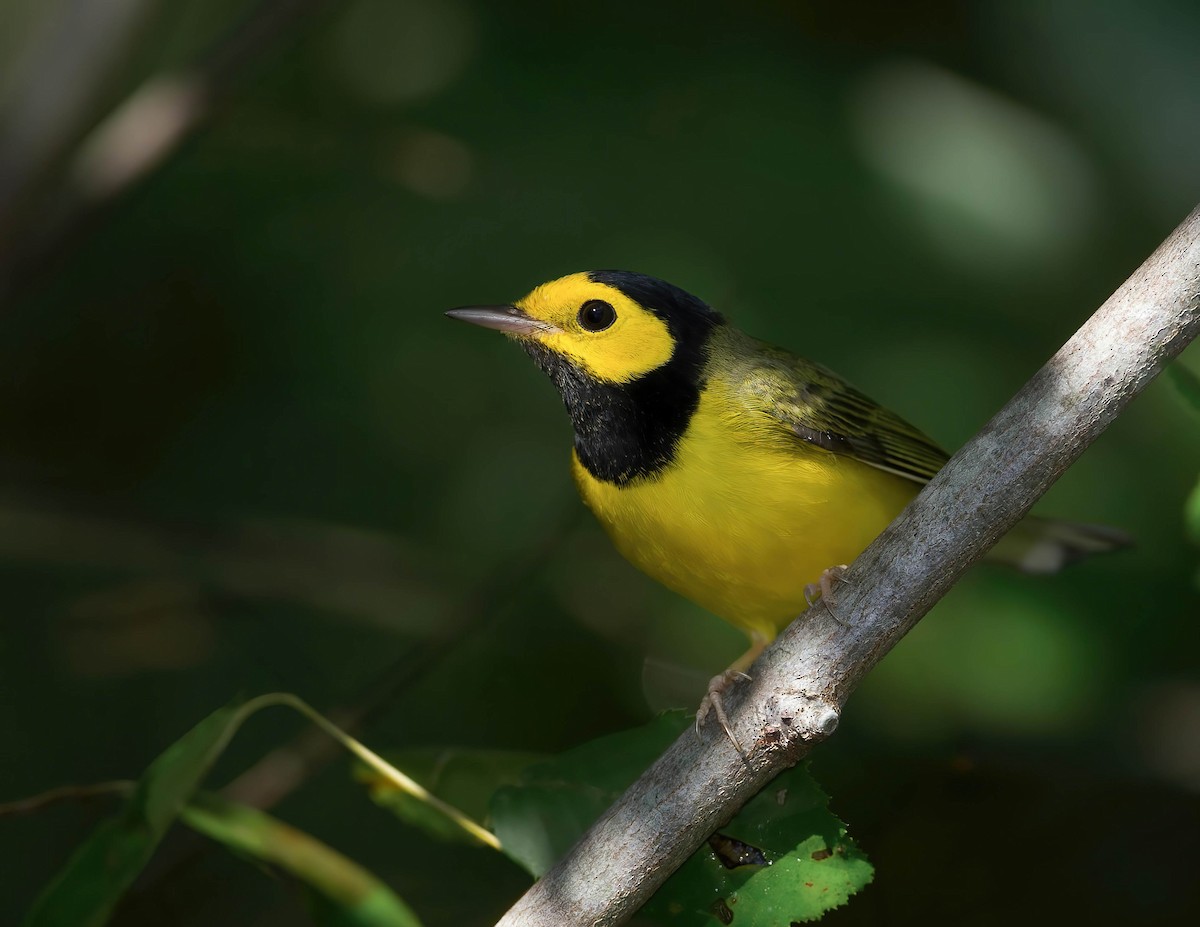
<point x="596" y="315"/>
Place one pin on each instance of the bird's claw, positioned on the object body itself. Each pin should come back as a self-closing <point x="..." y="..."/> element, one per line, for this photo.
<point x="825" y="588"/>
<point x="712" y="702"/>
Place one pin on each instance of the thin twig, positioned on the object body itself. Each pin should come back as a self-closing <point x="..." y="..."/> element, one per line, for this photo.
<point x="802" y="681"/>
<point x="63" y="793"/>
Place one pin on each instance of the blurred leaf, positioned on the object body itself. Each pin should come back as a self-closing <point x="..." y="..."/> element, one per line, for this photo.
<point x="1186" y="382"/>
<point x="346" y="894"/>
<point x="466" y="779"/>
<point x="1191" y="510"/>
<point x="784" y="858"/>
<point x="956" y="670"/>
<point x="85" y="891"/>
<point x="1188" y="385"/>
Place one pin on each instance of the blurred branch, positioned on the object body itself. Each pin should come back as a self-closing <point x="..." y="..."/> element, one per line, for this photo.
<point x="120" y="787"/>
<point x="136" y="138"/>
<point x="369" y="576"/>
<point x="56" y="89"/>
<point x="804" y="679"/>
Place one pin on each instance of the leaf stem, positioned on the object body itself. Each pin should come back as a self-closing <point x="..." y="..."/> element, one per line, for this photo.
<point x="375" y="761"/>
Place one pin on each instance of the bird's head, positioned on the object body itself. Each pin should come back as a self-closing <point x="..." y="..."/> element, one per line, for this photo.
<point x="612" y="326"/>
<point x="627" y="353"/>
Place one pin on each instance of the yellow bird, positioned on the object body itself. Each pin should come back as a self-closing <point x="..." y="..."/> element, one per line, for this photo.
<point x="735" y="473"/>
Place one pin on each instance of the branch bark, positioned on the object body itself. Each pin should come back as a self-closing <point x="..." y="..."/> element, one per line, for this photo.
<point x="803" y="680"/>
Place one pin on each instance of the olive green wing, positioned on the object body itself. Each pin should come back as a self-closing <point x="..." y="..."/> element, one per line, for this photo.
<point x="821" y="409"/>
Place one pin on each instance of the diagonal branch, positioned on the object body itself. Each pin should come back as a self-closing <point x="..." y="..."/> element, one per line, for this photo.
<point x="56" y="86"/>
<point x="801" y="683"/>
<point x="128" y="144"/>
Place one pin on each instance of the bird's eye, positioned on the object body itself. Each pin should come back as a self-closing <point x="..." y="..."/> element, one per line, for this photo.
<point x="596" y="315"/>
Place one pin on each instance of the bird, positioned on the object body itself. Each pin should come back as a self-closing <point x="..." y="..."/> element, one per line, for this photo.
<point x="736" y="473"/>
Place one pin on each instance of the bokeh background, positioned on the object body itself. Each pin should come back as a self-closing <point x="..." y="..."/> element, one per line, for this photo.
<point x="243" y="450"/>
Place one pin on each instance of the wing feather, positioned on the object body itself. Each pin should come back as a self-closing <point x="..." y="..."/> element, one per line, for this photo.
<point x="821" y="409"/>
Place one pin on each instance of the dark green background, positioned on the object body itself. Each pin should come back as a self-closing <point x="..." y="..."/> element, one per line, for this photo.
<point x="243" y="450"/>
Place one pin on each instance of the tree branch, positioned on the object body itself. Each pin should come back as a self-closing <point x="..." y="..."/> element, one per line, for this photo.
<point x="801" y="683"/>
<point x="128" y="145"/>
<point x="56" y="87"/>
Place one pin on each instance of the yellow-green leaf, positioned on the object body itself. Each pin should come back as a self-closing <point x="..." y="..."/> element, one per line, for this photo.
<point x="463" y="778"/>
<point x="352" y="895"/>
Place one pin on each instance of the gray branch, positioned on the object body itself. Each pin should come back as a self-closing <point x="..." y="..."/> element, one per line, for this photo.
<point x="56" y="87"/>
<point x="801" y="683"/>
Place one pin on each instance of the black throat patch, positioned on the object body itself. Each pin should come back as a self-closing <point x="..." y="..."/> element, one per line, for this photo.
<point x="631" y="430"/>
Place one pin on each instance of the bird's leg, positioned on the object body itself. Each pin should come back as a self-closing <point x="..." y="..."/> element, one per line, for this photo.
<point x="722" y="681"/>
<point x="835" y="574"/>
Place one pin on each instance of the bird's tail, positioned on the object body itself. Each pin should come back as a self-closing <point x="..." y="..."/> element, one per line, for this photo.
<point x="1046" y="545"/>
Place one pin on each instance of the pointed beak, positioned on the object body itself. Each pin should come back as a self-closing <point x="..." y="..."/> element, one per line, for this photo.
<point x="508" y="319"/>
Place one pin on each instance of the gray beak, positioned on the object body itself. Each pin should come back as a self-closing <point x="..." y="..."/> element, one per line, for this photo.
<point x="507" y="319"/>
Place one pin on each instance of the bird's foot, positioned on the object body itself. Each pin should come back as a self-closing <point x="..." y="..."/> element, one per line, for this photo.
<point x="824" y="586"/>
<point x="712" y="702"/>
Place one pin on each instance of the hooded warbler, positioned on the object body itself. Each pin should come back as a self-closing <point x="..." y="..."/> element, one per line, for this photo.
<point x="732" y="471"/>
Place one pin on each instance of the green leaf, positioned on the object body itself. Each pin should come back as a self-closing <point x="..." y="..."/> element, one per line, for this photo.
<point x="345" y="893"/>
<point x="797" y="862"/>
<point x="796" y="859"/>
<point x="85" y="891"/>
<point x="1187" y="382"/>
<point x="465" y="779"/>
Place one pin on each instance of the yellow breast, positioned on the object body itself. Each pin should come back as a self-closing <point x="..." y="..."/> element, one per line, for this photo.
<point x="746" y="515"/>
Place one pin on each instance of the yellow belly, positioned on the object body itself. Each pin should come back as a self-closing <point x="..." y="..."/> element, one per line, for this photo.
<point x="746" y="516"/>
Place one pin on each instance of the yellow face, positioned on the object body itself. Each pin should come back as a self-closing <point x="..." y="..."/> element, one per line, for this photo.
<point x="598" y="328"/>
